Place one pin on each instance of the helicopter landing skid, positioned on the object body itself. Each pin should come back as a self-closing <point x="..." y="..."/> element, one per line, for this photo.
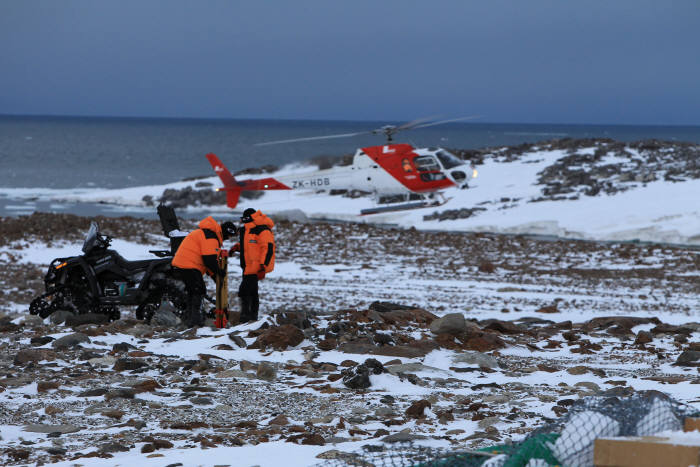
<point x="405" y="206"/>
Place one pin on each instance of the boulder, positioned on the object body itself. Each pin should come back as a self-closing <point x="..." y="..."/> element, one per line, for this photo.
<point x="71" y="340"/>
<point x="60" y="316"/>
<point x="356" y="377"/>
<point x="129" y="364"/>
<point x="279" y="338"/>
<point x="266" y="372"/>
<point x="63" y="429"/>
<point x="25" y="356"/>
<point x="484" y="343"/>
<point x="87" y="318"/>
<point x="238" y="340"/>
<point x="383" y="307"/>
<point x="688" y="358"/>
<point x="41" y="340"/>
<point x="279" y="420"/>
<point x="140" y="330"/>
<point x="476" y="358"/>
<point x="413" y="367"/>
<point x="299" y="319"/>
<point x="328" y="344"/>
<point x="643" y="337"/>
<point x="375" y="366"/>
<point x="453" y="323"/>
<point x="165" y="316"/>
<point x="120" y="393"/>
<point x="32" y="321"/>
<point x="416" y="409"/>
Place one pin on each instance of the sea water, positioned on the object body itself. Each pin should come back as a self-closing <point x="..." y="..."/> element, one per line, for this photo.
<point x="77" y="152"/>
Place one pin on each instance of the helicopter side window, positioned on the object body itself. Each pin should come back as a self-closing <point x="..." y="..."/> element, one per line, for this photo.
<point x="426" y="164"/>
<point x="432" y="176"/>
<point x="448" y="159"/>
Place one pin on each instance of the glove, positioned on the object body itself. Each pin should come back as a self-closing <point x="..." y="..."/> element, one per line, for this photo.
<point x="261" y="273"/>
<point x="236" y="247"/>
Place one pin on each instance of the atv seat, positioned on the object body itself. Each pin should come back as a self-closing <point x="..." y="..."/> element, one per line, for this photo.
<point x="131" y="265"/>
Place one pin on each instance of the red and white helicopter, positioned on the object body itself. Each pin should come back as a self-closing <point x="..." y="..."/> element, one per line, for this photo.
<point x="399" y="175"/>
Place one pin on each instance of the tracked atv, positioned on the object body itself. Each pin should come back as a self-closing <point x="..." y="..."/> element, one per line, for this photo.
<point x="101" y="280"/>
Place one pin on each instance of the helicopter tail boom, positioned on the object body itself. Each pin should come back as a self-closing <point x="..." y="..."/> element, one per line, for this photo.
<point x="234" y="187"/>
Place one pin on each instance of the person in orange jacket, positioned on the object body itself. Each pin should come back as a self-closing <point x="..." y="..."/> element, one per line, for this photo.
<point x="197" y="255"/>
<point x="257" y="255"/>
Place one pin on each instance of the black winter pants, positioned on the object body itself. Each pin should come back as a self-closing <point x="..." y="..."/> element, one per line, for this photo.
<point x="250" y="301"/>
<point x="194" y="286"/>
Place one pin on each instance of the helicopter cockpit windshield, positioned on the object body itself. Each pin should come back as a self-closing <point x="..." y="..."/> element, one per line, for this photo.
<point x="448" y="159"/>
<point x="91" y="237"/>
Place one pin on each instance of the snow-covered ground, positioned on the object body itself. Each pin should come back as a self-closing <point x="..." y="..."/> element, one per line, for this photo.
<point x="549" y="359"/>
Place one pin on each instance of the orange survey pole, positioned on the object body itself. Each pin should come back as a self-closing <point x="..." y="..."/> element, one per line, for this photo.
<point x="222" y="292"/>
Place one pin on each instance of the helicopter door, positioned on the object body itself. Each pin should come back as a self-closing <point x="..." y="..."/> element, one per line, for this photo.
<point x="428" y="168"/>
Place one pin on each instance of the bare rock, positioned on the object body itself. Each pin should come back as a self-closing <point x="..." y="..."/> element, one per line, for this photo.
<point x="279" y="338"/>
<point x="484" y="343"/>
<point x="140" y="330"/>
<point x="60" y="316"/>
<point x="476" y="358"/>
<point x="120" y="393"/>
<point x="487" y="267"/>
<point x="63" y="429"/>
<point x="87" y="318"/>
<point x="25" y="356"/>
<point x="113" y="413"/>
<point x="238" y="340"/>
<point x="32" y="321"/>
<point x="643" y="337"/>
<point x="356" y="377"/>
<point x="402" y="437"/>
<point x="165" y="316"/>
<point x="688" y="358"/>
<point x="279" y="420"/>
<point x="266" y="372"/>
<point x="94" y="392"/>
<point x="40" y="340"/>
<point x="129" y="364"/>
<point x="417" y="408"/>
<point x="201" y="401"/>
<point x="43" y="386"/>
<point x="328" y="344"/>
<point x="69" y="341"/>
<point x="453" y="323"/>
<point x="147" y="385"/>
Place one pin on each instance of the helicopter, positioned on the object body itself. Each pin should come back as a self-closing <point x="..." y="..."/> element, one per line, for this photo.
<point x="399" y="176"/>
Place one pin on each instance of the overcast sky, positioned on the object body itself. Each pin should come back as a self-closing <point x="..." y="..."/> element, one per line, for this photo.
<point x="558" y="61"/>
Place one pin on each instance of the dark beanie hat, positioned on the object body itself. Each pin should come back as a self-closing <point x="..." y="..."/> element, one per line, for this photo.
<point x="248" y="212"/>
<point x="228" y="229"/>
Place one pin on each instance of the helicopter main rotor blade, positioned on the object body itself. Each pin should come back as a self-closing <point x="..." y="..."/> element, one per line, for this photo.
<point x="313" y="138"/>
<point x="415" y="122"/>
<point x="472" y="117"/>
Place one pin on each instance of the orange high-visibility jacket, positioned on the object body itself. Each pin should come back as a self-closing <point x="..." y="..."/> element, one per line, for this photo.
<point x="257" y="244"/>
<point x="204" y="241"/>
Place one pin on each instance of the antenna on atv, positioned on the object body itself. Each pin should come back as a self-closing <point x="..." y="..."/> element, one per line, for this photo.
<point x="387" y="130"/>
